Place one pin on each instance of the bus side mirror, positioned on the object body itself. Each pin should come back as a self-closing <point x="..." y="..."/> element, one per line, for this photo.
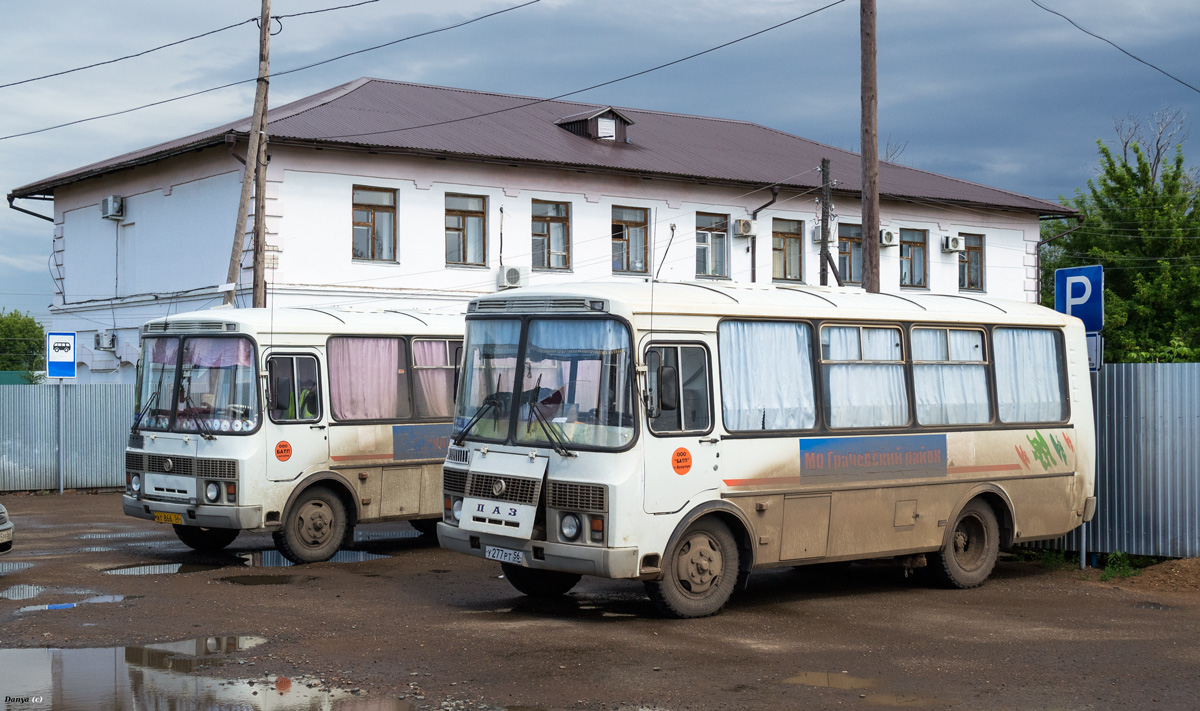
<point x="653" y="373"/>
<point x="669" y="388"/>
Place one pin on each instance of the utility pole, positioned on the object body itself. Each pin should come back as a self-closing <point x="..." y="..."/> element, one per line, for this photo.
<point x="255" y="164"/>
<point x="870" y="150"/>
<point x="826" y="215"/>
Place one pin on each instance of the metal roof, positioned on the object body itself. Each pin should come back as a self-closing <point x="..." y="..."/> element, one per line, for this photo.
<point x="399" y="116"/>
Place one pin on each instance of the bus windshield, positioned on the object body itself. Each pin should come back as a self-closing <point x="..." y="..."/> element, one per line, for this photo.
<point x="575" y="386"/>
<point x="202" y="385"/>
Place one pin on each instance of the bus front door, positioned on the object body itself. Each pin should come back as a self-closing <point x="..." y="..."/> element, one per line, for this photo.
<point x="295" y="428"/>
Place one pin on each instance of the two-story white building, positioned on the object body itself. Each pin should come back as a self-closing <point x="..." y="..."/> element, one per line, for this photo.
<point x="383" y="193"/>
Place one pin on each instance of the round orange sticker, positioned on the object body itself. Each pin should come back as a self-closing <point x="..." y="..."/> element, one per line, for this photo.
<point x="283" y="451"/>
<point x="681" y="461"/>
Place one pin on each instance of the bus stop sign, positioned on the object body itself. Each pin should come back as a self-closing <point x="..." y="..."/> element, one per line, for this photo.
<point x="60" y="355"/>
<point x="1079" y="292"/>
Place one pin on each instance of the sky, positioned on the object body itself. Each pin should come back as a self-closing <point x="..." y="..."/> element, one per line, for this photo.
<point x="998" y="92"/>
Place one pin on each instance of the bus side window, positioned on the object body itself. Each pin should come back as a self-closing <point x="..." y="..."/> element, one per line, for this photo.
<point x="685" y="373"/>
<point x="435" y="374"/>
<point x="295" y="389"/>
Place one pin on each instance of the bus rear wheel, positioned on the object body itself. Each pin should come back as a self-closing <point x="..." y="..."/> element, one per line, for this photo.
<point x="539" y="583"/>
<point x="314" y="527"/>
<point x="206" y="540"/>
<point x="967" y="558"/>
<point x="701" y="572"/>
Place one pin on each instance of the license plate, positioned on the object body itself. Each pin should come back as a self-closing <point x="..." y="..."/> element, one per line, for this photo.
<point x="160" y="517"/>
<point x="504" y="555"/>
<point x="6" y="536"/>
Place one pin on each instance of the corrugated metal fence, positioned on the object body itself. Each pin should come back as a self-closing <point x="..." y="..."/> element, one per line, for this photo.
<point x="94" y="428"/>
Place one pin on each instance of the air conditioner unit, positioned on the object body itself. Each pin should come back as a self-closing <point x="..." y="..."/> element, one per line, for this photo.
<point x="512" y="277"/>
<point x="953" y="243"/>
<point x="112" y="207"/>
<point x="105" y="341"/>
<point x="887" y="238"/>
<point x="744" y="228"/>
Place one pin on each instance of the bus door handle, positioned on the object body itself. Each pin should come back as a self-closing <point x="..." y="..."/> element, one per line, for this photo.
<point x="316" y="427"/>
<point x="709" y="440"/>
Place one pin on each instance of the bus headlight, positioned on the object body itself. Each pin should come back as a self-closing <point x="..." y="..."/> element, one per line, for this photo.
<point x="569" y="526"/>
<point x="136" y="483"/>
<point x="212" y="492"/>
<point x="456" y="510"/>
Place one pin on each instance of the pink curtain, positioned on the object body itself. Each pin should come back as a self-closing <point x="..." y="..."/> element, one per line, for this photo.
<point x="218" y="352"/>
<point x="433" y="379"/>
<point x="164" y="350"/>
<point x="366" y="379"/>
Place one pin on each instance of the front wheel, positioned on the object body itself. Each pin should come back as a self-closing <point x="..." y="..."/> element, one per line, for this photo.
<point x="206" y="540"/>
<point x="701" y="572"/>
<point x="969" y="555"/>
<point x="314" y="527"/>
<point x="539" y="583"/>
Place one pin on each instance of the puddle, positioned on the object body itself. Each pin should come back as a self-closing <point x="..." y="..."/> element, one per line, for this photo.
<point x="106" y="536"/>
<point x="160" y="676"/>
<point x="275" y="559"/>
<point x="162" y="569"/>
<point x="385" y="535"/>
<point x="97" y="549"/>
<point x="255" y="559"/>
<point x="833" y="680"/>
<point x="22" y="592"/>
<point x="266" y="579"/>
<point x="13" y="567"/>
<point x="1152" y="606"/>
<point x="69" y="605"/>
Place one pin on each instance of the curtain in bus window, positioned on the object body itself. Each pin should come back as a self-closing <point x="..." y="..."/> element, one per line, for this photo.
<point x="1028" y="381"/>
<point x="218" y="352"/>
<point x="367" y="379"/>
<point x="949" y="393"/>
<point x="433" y="379"/>
<point x="864" y="394"/>
<point x="766" y="375"/>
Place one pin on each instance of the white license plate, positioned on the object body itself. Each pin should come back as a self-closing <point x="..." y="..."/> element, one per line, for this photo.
<point x="6" y="536"/>
<point x="504" y="555"/>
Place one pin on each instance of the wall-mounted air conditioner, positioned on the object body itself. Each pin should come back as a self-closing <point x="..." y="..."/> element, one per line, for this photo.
<point x="887" y="238"/>
<point x="953" y="243"/>
<point x="112" y="207"/>
<point x="744" y="228"/>
<point x="105" y="341"/>
<point x="512" y="277"/>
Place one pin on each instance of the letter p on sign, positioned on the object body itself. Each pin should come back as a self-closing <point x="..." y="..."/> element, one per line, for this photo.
<point x="1079" y="292"/>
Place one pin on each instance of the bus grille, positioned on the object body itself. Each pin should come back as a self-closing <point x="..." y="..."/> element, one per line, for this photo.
<point x="516" y="489"/>
<point x="216" y="468"/>
<point x="577" y="497"/>
<point x="135" y="461"/>
<point x="525" y="305"/>
<point x="458" y="455"/>
<point x="181" y="466"/>
<point x="454" y="482"/>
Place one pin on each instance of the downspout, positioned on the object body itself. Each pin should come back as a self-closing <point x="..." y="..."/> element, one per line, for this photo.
<point x="12" y="197"/>
<point x="754" y="238"/>
<point x="1037" y="259"/>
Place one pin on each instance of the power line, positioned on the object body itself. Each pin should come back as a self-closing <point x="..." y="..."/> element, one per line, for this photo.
<point x="1114" y="44"/>
<point x="272" y="76"/>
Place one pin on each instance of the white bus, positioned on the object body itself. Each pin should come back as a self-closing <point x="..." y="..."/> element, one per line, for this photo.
<point x="686" y="434"/>
<point x="302" y="422"/>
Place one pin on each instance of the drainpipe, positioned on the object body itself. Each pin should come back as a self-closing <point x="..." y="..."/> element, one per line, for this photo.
<point x="1037" y="259"/>
<point x="754" y="238"/>
<point x="12" y="197"/>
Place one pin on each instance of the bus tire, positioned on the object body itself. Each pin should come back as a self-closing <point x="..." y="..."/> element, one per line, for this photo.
<point x="970" y="553"/>
<point x="206" y="540"/>
<point x="427" y="527"/>
<point x="314" y="527"/>
<point x="539" y="583"/>
<point x="701" y="572"/>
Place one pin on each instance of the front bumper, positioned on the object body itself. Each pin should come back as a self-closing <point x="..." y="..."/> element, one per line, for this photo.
<point x="240" y="517"/>
<point x="584" y="560"/>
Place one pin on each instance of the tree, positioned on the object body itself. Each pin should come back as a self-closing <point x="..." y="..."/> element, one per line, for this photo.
<point x="22" y="344"/>
<point x="1141" y="221"/>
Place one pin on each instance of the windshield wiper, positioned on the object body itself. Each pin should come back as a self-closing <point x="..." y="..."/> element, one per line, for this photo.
<point x="205" y="430"/>
<point x="489" y="403"/>
<point x="558" y="441"/>
<point x="137" y="421"/>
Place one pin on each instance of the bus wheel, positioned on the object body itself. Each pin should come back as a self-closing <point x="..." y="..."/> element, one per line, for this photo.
<point x="314" y="528"/>
<point x="968" y="557"/>
<point x="700" y="574"/>
<point x="206" y="540"/>
<point x="539" y="583"/>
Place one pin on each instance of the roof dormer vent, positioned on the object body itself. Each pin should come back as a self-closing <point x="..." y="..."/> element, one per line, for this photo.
<point x="602" y="124"/>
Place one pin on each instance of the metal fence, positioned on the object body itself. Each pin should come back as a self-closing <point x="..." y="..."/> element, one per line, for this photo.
<point x="68" y="436"/>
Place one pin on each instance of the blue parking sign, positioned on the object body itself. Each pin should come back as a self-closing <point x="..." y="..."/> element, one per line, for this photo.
<point x="1079" y="292"/>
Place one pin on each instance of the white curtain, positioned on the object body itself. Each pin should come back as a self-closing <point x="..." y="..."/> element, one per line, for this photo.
<point x="864" y="394"/>
<point x="1028" y="380"/>
<point x="366" y="378"/>
<point x="766" y="375"/>
<point x="950" y="393"/>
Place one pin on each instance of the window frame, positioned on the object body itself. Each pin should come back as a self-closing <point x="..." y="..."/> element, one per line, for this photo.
<point x="462" y="230"/>
<point x="779" y="256"/>
<point x="1064" y="385"/>
<point x="850" y="241"/>
<point x="625" y="225"/>
<point x="454" y="364"/>
<point x="708" y="369"/>
<point x="372" y="210"/>
<point x="710" y="234"/>
<point x="548" y="220"/>
<point x="409" y="369"/>
<point x="293" y="356"/>
<point x="909" y="245"/>
<point x="905" y="363"/>
<point x="964" y="262"/>
<point x="989" y="372"/>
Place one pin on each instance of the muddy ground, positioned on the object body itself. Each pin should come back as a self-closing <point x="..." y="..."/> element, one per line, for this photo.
<point x="424" y="628"/>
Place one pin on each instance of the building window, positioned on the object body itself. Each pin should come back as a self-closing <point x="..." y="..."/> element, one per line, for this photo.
<point x="466" y="227"/>
<point x="629" y="239"/>
<point x="374" y="224"/>
<point x="850" y="253"/>
<point x="970" y="263"/>
<point x="551" y="235"/>
<point x="711" y="236"/>
<point x="913" y="257"/>
<point x="786" y="240"/>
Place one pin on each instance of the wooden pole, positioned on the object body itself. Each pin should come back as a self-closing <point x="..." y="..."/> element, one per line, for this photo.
<point x="826" y="216"/>
<point x="260" y="221"/>
<point x="257" y="126"/>
<point x="870" y="151"/>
